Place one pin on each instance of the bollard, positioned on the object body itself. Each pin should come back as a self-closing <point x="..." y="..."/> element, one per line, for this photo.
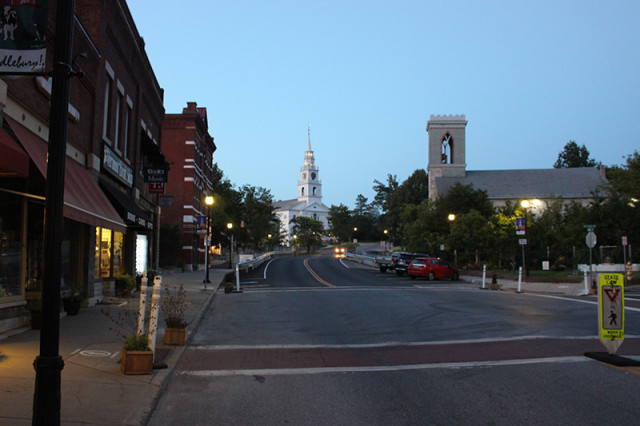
<point x="153" y="316"/>
<point x="237" y="278"/>
<point x="484" y="275"/>
<point x="629" y="269"/>
<point x="519" y="279"/>
<point x="586" y="283"/>
<point x="143" y="302"/>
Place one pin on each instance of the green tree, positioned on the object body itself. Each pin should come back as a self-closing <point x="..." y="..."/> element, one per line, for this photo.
<point x="574" y="156"/>
<point x="473" y="236"/>
<point x="308" y="231"/>
<point x="340" y="222"/>
<point x="257" y="215"/>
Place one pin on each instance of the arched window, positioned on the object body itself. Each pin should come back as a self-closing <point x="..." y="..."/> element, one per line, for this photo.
<point x="314" y="190"/>
<point x="447" y="149"/>
<point x="302" y="192"/>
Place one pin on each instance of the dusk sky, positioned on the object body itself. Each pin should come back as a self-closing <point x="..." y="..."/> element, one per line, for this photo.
<point x="529" y="76"/>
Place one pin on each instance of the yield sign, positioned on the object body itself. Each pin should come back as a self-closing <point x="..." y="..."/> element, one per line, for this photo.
<point x="611" y="311"/>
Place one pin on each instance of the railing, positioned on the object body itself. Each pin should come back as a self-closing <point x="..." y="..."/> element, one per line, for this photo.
<point x="360" y="258"/>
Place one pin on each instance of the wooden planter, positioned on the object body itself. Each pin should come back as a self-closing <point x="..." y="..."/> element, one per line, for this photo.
<point x="136" y="362"/>
<point x="175" y="336"/>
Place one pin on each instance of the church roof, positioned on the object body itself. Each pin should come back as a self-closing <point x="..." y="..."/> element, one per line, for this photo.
<point x="295" y="205"/>
<point x="579" y="182"/>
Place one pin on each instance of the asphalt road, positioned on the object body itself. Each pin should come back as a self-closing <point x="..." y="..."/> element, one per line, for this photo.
<point x="321" y="340"/>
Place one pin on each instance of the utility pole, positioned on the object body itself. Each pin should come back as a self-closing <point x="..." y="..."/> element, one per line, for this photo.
<point x="49" y="364"/>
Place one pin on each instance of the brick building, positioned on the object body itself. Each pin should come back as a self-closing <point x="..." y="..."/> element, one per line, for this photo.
<point x="114" y="128"/>
<point x="189" y="149"/>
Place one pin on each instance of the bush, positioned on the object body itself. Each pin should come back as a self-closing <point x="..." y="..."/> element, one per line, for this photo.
<point x="124" y="285"/>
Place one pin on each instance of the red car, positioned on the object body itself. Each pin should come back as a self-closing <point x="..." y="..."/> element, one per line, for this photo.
<point x="432" y="268"/>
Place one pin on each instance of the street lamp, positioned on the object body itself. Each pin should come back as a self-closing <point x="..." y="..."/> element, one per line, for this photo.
<point x="230" y="227"/>
<point x="525" y="205"/>
<point x="386" y="239"/>
<point x="208" y="200"/>
<point x="452" y="217"/>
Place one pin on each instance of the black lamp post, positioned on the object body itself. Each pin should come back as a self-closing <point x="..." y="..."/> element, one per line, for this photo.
<point x="49" y="364"/>
<point x="230" y="227"/>
<point x="208" y="200"/>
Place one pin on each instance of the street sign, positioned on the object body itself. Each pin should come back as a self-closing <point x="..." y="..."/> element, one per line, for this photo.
<point x="611" y="311"/>
<point x="156" y="187"/>
<point x="521" y="226"/>
<point x="202" y="220"/>
<point x="522" y="241"/>
<point x="624" y="241"/>
<point x="589" y="227"/>
<point x="591" y="239"/>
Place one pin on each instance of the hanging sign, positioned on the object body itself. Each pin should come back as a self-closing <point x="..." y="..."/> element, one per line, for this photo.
<point x="23" y="29"/>
<point x="611" y="311"/>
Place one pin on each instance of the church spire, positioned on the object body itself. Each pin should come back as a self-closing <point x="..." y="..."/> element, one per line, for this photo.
<point x="309" y="137"/>
<point x="308" y="155"/>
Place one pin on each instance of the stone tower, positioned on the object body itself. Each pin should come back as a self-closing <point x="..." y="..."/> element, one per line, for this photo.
<point x="309" y="185"/>
<point x="446" y="149"/>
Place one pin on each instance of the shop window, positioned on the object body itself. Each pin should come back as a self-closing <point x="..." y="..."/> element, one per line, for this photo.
<point x="109" y="250"/>
<point x="10" y="246"/>
<point x="142" y="256"/>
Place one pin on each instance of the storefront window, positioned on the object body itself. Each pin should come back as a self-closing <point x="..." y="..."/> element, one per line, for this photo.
<point x="10" y="246"/>
<point x="142" y="246"/>
<point x="109" y="250"/>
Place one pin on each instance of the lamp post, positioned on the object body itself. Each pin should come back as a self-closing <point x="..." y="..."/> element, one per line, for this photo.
<point x="525" y="205"/>
<point x="452" y="217"/>
<point x="208" y="200"/>
<point x="230" y="227"/>
<point x="386" y="239"/>
<point x="355" y="229"/>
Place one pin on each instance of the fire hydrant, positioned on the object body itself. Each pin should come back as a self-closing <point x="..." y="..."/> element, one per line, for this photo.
<point x="629" y="271"/>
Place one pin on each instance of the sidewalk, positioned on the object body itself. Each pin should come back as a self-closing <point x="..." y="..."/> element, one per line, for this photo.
<point x="560" y="289"/>
<point x="93" y="390"/>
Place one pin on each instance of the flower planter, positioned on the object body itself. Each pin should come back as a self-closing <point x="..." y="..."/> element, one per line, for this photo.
<point x="136" y="362"/>
<point x="72" y="307"/>
<point x="175" y="336"/>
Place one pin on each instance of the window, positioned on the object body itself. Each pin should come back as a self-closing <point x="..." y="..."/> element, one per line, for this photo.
<point x="109" y="253"/>
<point x="314" y="190"/>
<point x="447" y="149"/>
<point x="106" y="131"/>
<point x="127" y="130"/>
<point x="116" y="135"/>
<point x="302" y="192"/>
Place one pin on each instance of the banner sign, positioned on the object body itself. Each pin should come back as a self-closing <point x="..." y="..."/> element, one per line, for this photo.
<point x="156" y="173"/>
<point x="23" y="29"/>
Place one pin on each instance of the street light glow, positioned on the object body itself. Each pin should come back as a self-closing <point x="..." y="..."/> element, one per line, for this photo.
<point x="229" y="225"/>
<point x="208" y="200"/>
<point x="451" y="217"/>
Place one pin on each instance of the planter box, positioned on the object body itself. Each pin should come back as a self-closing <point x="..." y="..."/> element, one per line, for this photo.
<point x="136" y="362"/>
<point x="175" y="336"/>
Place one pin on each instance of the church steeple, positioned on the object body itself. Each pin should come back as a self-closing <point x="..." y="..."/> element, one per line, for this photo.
<point x="309" y="185"/>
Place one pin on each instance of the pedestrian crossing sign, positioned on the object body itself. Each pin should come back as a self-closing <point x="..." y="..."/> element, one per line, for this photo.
<point x="611" y="311"/>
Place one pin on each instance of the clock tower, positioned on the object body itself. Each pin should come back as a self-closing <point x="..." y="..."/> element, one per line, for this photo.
<point x="309" y="185"/>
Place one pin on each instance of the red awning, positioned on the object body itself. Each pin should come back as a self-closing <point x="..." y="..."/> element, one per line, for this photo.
<point x="13" y="158"/>
<point x="84" y="201"/>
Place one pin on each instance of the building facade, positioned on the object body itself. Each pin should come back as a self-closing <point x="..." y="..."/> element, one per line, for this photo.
<point x="309" y="200"/>
<point x="114" y="128"/>
<point x="189" y="148"/>
<point x="447" y="167"/>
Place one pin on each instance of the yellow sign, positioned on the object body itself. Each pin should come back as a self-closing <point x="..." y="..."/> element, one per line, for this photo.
<point x="611" y="311"/>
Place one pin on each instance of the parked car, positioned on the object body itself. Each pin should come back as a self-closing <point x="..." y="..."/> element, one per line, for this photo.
<point x="400" y="261"/>
<point x="432" y="268"/>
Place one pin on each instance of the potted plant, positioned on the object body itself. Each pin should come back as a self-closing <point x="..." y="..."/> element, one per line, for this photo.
<point x="124" y="285"/>
<point x="137" y="356"/>
<point x="173" y="305"/>
<point x="228" y="287"/>
<point x="71" y="301"/>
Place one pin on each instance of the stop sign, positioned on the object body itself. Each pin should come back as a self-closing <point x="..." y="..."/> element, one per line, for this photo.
<point x="591" y="239"/>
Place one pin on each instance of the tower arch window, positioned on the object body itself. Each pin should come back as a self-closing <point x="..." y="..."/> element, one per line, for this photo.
<point x="447" y="149"/>
<point x="302" y="192"/>
<point x="315" y="190"/>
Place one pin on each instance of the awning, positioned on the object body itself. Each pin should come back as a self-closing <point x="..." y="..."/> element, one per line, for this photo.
<point x="13" y="158"/>
<point x="84" y="201"/>
<point x="126" y="207"/>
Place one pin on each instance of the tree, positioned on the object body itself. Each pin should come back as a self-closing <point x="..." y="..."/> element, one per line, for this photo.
<point x="574" y="156"/>
<point x="340" y="222"/>
<point x="308" y="231"/>
<point x="257" y="215"/>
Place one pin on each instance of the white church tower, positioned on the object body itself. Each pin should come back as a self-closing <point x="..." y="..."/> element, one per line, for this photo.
<point x="309" y="199"/>
<point x="309" y="185"/>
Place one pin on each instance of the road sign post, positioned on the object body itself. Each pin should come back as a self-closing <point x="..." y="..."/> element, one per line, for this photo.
<point x="611" y="311"/>
<point x="591" y="240"/>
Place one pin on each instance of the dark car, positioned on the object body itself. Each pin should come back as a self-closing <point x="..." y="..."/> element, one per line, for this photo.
<point x="432" y="268"/>
<point x="400" y="261"/>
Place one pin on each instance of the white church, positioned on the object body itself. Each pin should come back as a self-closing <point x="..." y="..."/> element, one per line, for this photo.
<point x="309" y="200"/>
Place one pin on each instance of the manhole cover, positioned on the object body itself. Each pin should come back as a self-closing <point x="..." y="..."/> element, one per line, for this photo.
<point x="95" y="353"/>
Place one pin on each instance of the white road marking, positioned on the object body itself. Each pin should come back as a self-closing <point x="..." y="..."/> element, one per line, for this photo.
<point x="326" y="370"/>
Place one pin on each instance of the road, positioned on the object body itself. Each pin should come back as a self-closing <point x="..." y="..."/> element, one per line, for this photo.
<point x="320" y="340"/>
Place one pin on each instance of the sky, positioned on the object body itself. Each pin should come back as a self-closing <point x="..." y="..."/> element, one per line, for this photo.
<point x="367" y="75"/>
